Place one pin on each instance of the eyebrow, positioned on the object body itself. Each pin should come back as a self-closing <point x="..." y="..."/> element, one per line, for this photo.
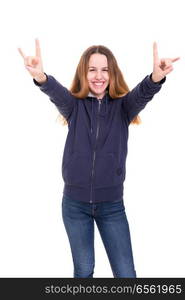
<point x="95" y="67"/>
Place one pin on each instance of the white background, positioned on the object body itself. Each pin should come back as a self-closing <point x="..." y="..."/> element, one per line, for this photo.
<point x="32" y="235"/>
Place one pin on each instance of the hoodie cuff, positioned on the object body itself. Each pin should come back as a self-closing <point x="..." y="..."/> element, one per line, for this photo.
<point x="158" y="82"/>
<point x="40" y="84"/>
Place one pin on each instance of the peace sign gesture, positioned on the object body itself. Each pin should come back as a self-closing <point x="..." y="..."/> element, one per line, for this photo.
<point x="161" y="67"/>
<point x="34" y="63"/>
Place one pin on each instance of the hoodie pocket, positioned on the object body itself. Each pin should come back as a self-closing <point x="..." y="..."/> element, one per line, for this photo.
<point x="77" y="170"/>
<point x="105" y="170"/>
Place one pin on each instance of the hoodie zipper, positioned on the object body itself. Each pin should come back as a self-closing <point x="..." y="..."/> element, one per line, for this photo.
<point x="94" y="153"/>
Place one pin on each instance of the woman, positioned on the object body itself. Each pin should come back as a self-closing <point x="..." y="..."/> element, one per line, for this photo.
<point x="98" y="110"/>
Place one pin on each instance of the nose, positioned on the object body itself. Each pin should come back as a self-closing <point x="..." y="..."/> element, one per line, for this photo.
<point x="98" y="75"/>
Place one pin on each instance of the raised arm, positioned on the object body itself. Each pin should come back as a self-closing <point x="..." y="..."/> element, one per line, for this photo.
<point x="57" y="93"/>
<point x="34" y="64"/>
<point x="138" y="97"/>
<point x="161" y="67"/>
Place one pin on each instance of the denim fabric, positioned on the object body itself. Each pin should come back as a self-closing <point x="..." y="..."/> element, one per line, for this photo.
<point x="111" y="220"/>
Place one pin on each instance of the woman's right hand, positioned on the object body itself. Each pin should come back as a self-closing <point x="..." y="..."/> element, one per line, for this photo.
<point x="34" y="63"/>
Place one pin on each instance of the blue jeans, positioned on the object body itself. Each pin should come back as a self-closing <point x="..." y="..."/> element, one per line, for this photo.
<point x="111" y="220"/>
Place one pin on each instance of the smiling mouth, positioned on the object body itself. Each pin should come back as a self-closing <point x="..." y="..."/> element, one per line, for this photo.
<point x="98" y="83"/>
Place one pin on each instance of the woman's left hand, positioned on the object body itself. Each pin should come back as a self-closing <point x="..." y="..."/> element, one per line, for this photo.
<point x="161" y="67"/>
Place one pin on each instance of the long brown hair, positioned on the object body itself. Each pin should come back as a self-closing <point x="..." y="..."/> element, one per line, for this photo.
<point x="117" y="86"/>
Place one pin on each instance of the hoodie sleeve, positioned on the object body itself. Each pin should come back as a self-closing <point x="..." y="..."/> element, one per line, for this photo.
<point x="137" y="98"/>
<point x="58" y="94"/>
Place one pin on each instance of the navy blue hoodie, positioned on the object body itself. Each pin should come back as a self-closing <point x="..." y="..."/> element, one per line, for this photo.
<point x="94" y="158"/>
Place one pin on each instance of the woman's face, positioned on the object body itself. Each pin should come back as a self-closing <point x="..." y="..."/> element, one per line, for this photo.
<point x="98" y="75"/>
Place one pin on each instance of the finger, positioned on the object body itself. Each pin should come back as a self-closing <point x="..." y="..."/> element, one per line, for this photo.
<point x="168" y="61"/>
<point x="155" y="53"/>
<point x="165" y="63"/>
<point x="31" y="60"/>
<point x="37" y="47"/>
<point x="29" y="68"/>
<point x="168" y="70"/>
<point x="175" y="59"/>
<point x="21" y="53"/>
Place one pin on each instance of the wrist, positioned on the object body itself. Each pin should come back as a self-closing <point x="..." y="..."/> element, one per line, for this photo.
<point x="41" y="78"/>
<point x="155" y="78"/>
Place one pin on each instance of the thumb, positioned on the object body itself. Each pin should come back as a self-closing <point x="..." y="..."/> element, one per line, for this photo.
<point x="30" y="69"/>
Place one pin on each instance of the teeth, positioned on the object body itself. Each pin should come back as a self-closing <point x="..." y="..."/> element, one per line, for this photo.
<point x="98" y="84"/>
